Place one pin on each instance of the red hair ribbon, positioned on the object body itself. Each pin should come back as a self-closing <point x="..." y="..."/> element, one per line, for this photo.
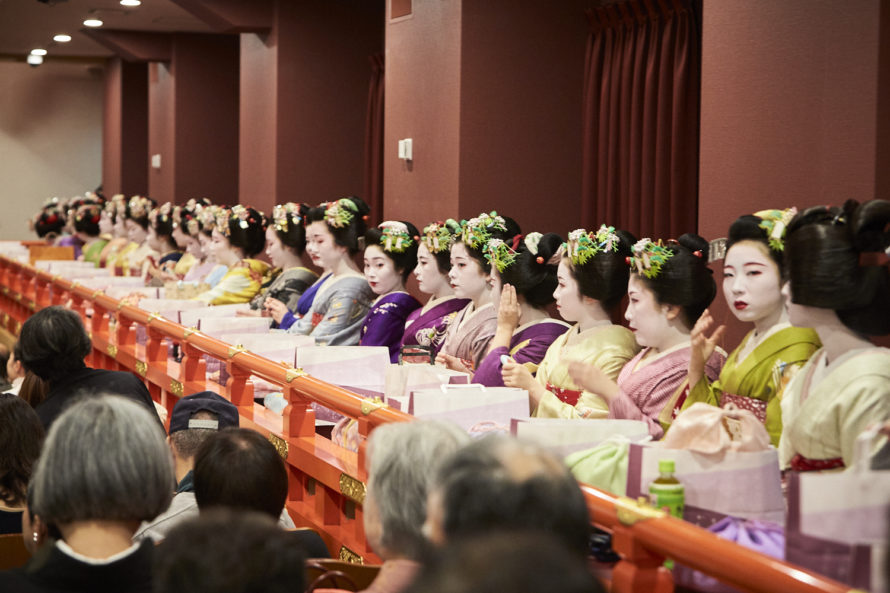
<point x="697" y="253"/>
<point x="516" y="241"/>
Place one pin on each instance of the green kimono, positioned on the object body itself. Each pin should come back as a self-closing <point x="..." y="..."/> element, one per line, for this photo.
<point x="93" y="249"/>
<point x="762" y="376"/>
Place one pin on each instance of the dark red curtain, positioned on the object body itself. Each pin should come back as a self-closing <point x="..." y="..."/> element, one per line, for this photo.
<point x="373" y="165"/>
<point x="641" y="117"/>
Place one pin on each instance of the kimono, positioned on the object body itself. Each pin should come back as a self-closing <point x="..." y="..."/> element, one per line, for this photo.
<point x="824" y="409"/>
<point x="287" y="287"/>
<point x="304" y="303"/>
<point x="71" y="241"/>
<point x="428" y="325"/>
<point x="119" y="261"/>
<point x="469" y="334"/>
<point x="93" y="249"/>
<point x="185" y="263"/>
<point x="608" y="347"/>
<point x="528" y="345"/>
<point x="239" y="285"/>
<point x="385" y="322"/>
<point x="654" y="391"/>
<point x="110" y="251"/>
<point x="757" y="382"/>
<point x="337" y="312"/>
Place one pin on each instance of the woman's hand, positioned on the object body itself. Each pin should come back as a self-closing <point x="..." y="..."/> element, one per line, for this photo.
<point x="593" y="379"/>
<point x="508" y="309"/>
<point x="517" y="375"/>
<point x="702" y="346"/>
<point x="453" y="363"/>
<point x="276" y="309"/>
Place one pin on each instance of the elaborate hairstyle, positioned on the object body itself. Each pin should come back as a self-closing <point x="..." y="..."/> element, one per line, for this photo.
<point x="677" y="273"/>
<point x="50" y="219"/>
<point x="86" y="219"/>
<point x="598" y="263"/>
<point x="105" y="458"/>
<point x="239" y="468"/>
<point x="346" y="219"/>
<point x="532" y="267"/>
<point x="403" y="459"/>
<point x="837" y="258"/>
<point x="21" y="435"/>
<point x="289" y="222"/>
<point x="207" y="217"/>
<point x="438" y="237"/>
<point x="138" y="208"/>
<point x="189" y="217"/>
<point x="499" y="483"/>
<point x="398" y="240"/>
<point x="229" y="551"/>
<point x="53" y="343"/>
<point x="476" y="232"/>
<point x="767" y="227"/>
<point x="244" y="227"/>
<point x="161" y="220"/>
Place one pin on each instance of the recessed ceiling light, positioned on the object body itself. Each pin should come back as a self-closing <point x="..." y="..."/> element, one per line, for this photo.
<point x="62" y="38"/>
<point x="38" y="52"/>
<point x="34" y="60"/>
<point x="131" y="2"/>
<point x="93" y="23"/>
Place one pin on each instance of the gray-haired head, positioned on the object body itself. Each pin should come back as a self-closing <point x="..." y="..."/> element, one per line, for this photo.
<point x="105" y="458"/>
<point x="403" y="459"/>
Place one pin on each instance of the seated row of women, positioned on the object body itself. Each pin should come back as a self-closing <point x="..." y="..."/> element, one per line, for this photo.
<point x="813" y="285"/>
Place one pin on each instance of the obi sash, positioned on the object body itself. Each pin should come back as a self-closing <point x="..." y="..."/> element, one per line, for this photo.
<point x="569" y="396"/>
<point x="755" y="406"/>
<point x="799" y="463"/>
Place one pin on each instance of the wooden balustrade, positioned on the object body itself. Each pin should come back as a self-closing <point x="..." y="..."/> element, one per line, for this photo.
<point x="327" y="482"/>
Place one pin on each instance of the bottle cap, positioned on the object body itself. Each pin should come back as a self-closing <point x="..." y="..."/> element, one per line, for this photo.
<point x="666" y="466"/>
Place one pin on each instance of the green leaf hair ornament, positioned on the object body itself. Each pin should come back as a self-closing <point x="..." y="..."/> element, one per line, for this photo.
<point x="582" y="246"/>
<point x="649" y="257"/>
<point x="438" y="236"/>
<point x="774" y="222"/>
<point x="395" y="237"/>
<point x="340" y="213"/>
<point x="499" y="255"/>
<point x="477" y="231"/>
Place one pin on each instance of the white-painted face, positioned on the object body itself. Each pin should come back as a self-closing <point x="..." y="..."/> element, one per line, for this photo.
<point x="153" y="240"/>
<point x="799" y="315"/>
<point x="751" y="282"/>
<point x="320" y="246"/>
<point x="569" y="301"/>
<point x="106" y="225"/>
<point x="467" y="277"/>
<point x="275" y="249"/>
<point x="180" y="237"/>
<point x="430" y="279"/>
<point x="645" y="316"/>
<point x="222" y="250"/>
<point x="380" y="271"/>
<point x="135" y="232"/>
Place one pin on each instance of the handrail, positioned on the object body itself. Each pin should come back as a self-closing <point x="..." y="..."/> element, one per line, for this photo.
<point x="642" y="536"/>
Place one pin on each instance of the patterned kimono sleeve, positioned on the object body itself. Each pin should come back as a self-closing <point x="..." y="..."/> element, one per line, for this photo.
<point x="341" y="322"/>
<point x="703" y="392"/>
<point x="864" y="401"/>
<point x="235" y="287"/>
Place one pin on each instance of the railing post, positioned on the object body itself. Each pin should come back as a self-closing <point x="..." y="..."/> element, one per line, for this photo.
<point x="639" y="571"/>
<point x="299" y="417"/>
<point x="239" y="387"/>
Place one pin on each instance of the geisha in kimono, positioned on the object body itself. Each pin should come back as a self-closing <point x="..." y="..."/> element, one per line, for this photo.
<point x="198" y="218"/>
<point x="341" y="297"/>
<point x="160" y="238"/>
<point x="86" y="226"/>
<point x="132" y="258"/>
<point x="238" y="236"/>
<point x="285" y="244"/>
<point x="428" y="325"/>
<point x="756" y="373"/>
<point x="669" y="288"/>
<point x="838" y="270"/>
<point x="390" y="255"/>
<point x="523" y="281"/>
<point x="591" y="280"/>
<point x="112" y="223"/>
<point x="466" y="342"/>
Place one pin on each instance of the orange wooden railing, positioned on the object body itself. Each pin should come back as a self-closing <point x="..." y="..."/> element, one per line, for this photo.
<point x="327" y="482"/>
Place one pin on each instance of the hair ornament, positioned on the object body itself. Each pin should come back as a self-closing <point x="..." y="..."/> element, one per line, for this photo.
<point x="91" y="212"/>
<point x="774" y="222"/>
<point x="340" y="213"/>
<point x="161" y="214"/>
<point x="583" y="245"/>
<point x="499" y="255"/>
<point x="285" y="214"/>
<point x="649" y="257"/>
<point x="697" y="253"/>
<point x="477" y="231"/>
<point x="395" y="237"/>
<point x="139" y="207"/>
<point x="531" y="242"/>
<point x="438" y="236"/>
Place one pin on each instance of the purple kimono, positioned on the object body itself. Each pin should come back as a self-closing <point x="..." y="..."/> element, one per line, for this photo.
<point x="71" y="241"/>
<point x="385" y="322"/>
<point x="528" y="346"/>
<point x="427" y="326"/>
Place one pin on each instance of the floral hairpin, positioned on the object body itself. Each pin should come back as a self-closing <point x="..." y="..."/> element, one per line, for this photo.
<point x="476" y="231"/>
<point x="92" y="212"/>
<point x="283" y="214"/>
<point x="774" y="222"/>
<point x="395" y="237"/>
<point x="438" y="236"/>
<point x="139" y="207"/>
<point x="340" y="213"/>
<point x="499" y="255"/>
<point x="161" y="214"/>
<point x="649" y="257"/>
<point x="583" y="245"/>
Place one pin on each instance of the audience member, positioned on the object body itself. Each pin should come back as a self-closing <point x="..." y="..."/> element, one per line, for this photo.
<point x="194" y="419"/>
<point x="104" y="468"/>
<point x="403" y="460"/>
<point x="5" y="380"/>
<point x="224" y="551"/>
<point x="21" y="435"/>
<point x="500" y="483"/>
<point x="53" y="344"/>
<point x="15" y="372"/>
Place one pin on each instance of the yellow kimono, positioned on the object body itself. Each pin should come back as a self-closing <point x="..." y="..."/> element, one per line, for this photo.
<point x="240" y="284"/>
<point x="120" y="262"/>
<point x="757" y="382"/>
<point x="184" y="264"/>
<point x="608" y="347"/>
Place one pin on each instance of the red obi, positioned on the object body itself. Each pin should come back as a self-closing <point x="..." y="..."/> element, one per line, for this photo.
<point x="569" y="396"/>
<point x="755" y="406"/>
<point x="799" y="463"/>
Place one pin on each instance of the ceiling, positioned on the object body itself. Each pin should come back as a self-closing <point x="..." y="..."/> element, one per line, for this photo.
<point x="29" y="24"/>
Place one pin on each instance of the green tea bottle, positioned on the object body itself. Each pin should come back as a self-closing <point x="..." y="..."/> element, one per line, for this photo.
<point x="666" y="491"/>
